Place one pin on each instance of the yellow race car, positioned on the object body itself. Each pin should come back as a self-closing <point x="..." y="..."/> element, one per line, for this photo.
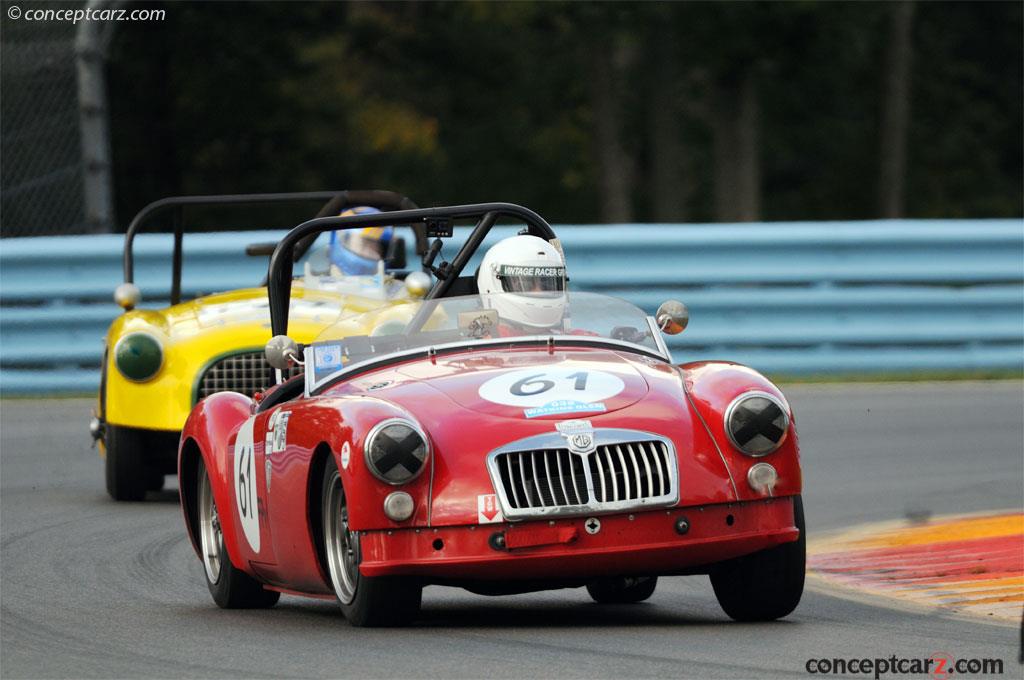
<point x="158" y="363"/>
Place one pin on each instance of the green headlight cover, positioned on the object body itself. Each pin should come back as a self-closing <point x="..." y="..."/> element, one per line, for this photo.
<point x="138" y="356"/>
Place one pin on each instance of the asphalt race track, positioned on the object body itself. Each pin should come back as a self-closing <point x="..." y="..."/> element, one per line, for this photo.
<point x="91" y="588"/>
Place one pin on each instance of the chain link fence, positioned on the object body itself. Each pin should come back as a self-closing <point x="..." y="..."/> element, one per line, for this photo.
<point x="41" y="158"/>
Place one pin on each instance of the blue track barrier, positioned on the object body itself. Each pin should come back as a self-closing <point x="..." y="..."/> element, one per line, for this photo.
<point x="795" y="298"/>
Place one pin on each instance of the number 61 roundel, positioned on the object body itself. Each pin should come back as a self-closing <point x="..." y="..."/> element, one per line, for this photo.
<point x="245" y="484"/>
<point x="538" y="386"/>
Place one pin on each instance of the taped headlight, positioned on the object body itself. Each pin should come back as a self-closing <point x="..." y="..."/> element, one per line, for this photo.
<point x="138" y="356"/>
<point x="396" y="451"/>
<point x="756" y="423"/>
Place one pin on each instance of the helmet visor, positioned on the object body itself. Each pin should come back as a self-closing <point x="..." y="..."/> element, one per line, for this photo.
<point x="542" y="280"/>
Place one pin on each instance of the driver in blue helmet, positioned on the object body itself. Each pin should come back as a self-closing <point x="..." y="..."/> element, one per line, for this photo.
<point x="358" y="252"/>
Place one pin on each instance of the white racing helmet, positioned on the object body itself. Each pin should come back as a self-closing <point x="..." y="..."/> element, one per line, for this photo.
<point x="523" y="279"/>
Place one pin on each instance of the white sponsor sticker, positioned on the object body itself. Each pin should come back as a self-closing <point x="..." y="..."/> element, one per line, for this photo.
<point x="245" y="484"/>
<point x="563" y="406"/>
<point x="280" y="432"/>
<point x="536" y="388"/>
<point x="487" y="509"/>
<point x="327" y="356"/>
<point x="346" y="454"/>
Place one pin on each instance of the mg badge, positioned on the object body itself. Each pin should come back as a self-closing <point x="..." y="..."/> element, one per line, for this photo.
<point x="581" y="443"/>
<point x="579" y="434"/>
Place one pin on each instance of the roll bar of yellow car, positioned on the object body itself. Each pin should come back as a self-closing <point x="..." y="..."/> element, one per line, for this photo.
<point x="335" y="202"/>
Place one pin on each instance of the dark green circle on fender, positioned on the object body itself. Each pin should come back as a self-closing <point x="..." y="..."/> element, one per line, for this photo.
<point x="138" y="356"/>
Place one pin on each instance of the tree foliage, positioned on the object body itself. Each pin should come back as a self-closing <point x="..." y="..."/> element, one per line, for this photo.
<point x="584" y="111"/>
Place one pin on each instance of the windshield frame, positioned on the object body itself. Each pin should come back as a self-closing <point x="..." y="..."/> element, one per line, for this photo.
<point x="314" y="386"/>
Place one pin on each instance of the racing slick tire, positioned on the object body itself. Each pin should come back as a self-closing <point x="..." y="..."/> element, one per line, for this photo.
<point x="622" y="589"/>
<point x="766" y="585"/>
<point x="365" y="601"/>
<point x="127" y="477"/>
<point x="231" y="588"/>
<point x="154" y="479"/>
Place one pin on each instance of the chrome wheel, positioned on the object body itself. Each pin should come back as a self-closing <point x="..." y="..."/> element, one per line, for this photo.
<point x="341" y="544"/>
<point x="210" y="535"/>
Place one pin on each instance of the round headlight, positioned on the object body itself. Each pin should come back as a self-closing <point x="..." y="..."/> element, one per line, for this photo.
<point x="138" y="356"/>
<point x="396" y="451"/>
<point x="756" y="423"/>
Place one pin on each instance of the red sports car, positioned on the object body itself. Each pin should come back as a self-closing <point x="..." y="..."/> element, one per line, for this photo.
<point x="460" y="444"/>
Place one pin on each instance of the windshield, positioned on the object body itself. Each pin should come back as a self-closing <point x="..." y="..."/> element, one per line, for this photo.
<point x="470" y="320"/>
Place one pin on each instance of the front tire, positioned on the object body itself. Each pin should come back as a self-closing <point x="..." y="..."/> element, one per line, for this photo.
<point x="231" y="588"/>
<point x="768" y="584"/>
<point x="365" y="601"/>
<point x="126" y="476"/>
<point x="622" y="589"/>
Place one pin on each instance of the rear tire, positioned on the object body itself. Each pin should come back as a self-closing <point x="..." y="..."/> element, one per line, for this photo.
<point x="125" y="473"/>
<point x="231" y="588"/>
<point x="154" y="479"/>
<point x="622" y="589"/>
<point x="365" y="601"/>
<point x="768" y="584"/>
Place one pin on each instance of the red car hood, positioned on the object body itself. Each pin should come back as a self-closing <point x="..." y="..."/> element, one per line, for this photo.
<point x="534" y="384"/>
<point x="447" y="396"/>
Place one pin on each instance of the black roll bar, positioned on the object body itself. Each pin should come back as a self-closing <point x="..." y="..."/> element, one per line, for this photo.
<point x="279" y="275"/>
<point x="335" y="202"/>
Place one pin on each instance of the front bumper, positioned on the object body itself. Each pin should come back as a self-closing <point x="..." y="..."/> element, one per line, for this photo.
<point x="639" y="543"/>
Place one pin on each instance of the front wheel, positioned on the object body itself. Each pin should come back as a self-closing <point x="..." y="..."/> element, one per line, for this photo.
<point x="126" y="475"/>
<point x="364" y="601"/>
<point x="768" y="584"/>
<point x="622" y="589"/>
<point x="231" y="588"/>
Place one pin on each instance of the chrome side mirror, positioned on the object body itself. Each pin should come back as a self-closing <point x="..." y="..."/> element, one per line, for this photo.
<point x="281" y="352"/>
<point x="417" y="284"/>
<point x="672" y="317"/>
<point x="127" y="295"/>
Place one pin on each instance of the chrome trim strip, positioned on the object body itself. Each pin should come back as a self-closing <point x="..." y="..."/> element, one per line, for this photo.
<point x="526" y="487"/>
<point x="542" y="340"/>
<point x="511" y="480"/>
<point x="561" y="477"/>
<point x="572" y="473"/>
<point x="551" y="487"/>
<point x="604" y="438"/>
<point x="657" y="456"/>
<point x="714" y="442"/>
<point x="636" y="472"/>
<point x="600" y="473"/>
<point x="625" y="472"/>
<point x="659" y="337"/>
<point x="536" y="484"/>
<point x="611" y="472"/>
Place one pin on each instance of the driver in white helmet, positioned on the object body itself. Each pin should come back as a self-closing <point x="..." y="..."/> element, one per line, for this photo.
<point x="523" y="279"/>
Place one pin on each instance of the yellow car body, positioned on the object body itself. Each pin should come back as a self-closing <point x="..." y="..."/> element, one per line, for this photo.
<point x="195" y="336"/>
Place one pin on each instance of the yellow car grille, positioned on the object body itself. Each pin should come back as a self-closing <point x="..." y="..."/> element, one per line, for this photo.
<point x="246" y="373"/>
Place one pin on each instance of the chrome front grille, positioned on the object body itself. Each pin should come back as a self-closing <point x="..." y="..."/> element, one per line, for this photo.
<point x="630" y="471"/>
<point x="246" y="372"/>
<point x="627" y="469"/>
<point x="542" y="479"/>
